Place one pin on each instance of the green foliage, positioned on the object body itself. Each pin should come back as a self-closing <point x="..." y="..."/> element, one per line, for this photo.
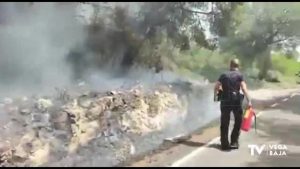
<point x="258" y="27"/>
<point x="211" y="73"/>
<point x="287" y="66"/>
<point x="207" y="63"/>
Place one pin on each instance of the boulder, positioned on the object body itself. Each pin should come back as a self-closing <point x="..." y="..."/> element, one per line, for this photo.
<point x="43" y="104"/>
<point x="40" y="156"/>
<point x="272" y="76"/>
<point x="5" y="152"/>
<point x="25" y="111"/>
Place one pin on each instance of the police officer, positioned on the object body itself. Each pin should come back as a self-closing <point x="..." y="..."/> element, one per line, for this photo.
<point x="227" y="91"/>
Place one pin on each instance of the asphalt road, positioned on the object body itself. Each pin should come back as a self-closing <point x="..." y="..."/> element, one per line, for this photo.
<point x="277" y="125"/>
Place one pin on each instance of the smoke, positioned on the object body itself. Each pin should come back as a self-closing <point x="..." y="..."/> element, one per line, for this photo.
<point x="200" y="108"/>
<point x="35" y="38"/>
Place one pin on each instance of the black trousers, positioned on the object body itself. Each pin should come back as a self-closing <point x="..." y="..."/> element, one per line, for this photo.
<point x="226" y="109"/>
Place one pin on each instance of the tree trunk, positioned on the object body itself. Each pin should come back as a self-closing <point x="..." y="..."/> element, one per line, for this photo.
<point x="264" y="64"/>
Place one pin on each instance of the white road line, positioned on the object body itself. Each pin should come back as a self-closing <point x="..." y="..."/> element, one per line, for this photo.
<point x="193" y="153"/>
<point x="284" y="100"/>
<point x="273" y="105"/>
<point x="294" y="94"/>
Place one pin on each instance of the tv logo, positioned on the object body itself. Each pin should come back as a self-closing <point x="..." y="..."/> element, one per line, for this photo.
<point x="258" y="149"/>
<point x="271" y="150"/>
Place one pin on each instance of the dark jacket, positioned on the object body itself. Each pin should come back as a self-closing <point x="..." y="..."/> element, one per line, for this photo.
<point x="231" y="82"/>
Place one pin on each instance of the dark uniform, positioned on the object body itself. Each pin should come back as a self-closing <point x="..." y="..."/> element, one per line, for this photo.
<point x="231" y="100"/>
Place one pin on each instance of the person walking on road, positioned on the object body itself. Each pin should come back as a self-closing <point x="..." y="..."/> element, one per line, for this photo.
<point x="227" y="91"/>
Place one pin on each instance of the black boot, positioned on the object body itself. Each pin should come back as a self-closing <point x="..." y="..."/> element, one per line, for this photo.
<point x="225" y="146"/>
<point x="234" y="145"/>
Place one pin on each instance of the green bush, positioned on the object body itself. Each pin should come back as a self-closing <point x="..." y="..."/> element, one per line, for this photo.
<point x="203" y="62"/>
<point x="286" y="66"/>
<point x="211" y="73"/>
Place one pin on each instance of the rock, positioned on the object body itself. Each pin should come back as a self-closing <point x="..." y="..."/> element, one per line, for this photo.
<point x="27" y="147"/>
<point x="94" y="112"/>
<point x="61" y="126"/>
<point x="59" y="117"/>
<point x="84" y="139"/>
<point x="19" y="155"/>
<point x="84" y="101"/>
<point x="44" y="104"/>
<point x="272" y="76"/>
<point x="5" y="157"/>
<point x="136" y="92"/>
<point x="60" y="121"/>
<point x="25" y="111"/>
<point x="132" y="149"/>
<point x="85" y="119"/>
<point x="179" y="138"/>
<point x="40" y="156"/>
<point x="62" y="135"/>
<point x="74" y="144"/>
<point x="106" y="101"/>
<point x="5" y="152"/>
<point x="111" y="93"/>
<point x="118" y="101"/>
<point x="28" y="137"/>
<point x="36" y="117"/>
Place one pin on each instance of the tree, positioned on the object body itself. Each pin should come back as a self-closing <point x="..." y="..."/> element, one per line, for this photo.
<point x="117" y="37"/>
<point x="260" y="28"/>
<point x="247" y="31"/>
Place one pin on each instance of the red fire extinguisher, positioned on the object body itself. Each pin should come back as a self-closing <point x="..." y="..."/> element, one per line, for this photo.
<point x="247" y="119"/>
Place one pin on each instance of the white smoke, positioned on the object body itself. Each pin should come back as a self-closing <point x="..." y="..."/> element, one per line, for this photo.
<point x="33" y="45"/>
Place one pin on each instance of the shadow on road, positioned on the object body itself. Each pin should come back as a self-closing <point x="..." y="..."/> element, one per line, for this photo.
<point x="218" y="147"/>
<point x="192" y="143"/>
